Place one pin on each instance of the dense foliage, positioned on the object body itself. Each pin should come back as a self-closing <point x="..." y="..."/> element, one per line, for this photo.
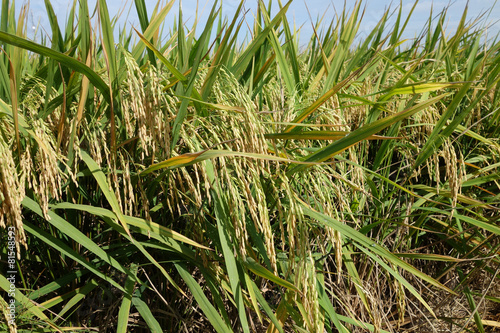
<point x="187" y="181"/>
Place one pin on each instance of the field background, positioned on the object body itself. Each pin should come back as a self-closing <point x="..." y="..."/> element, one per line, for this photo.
<point x="184" y="178"/>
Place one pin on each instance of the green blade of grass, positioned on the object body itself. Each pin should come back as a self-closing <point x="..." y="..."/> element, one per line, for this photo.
<point x="178" y="75"/>
<point x="206" y="306"/>
<point x="321" y="135"/>
<point x="182" y="112"/>
<point x="142" y="13"/>
<point x="123" y="313"/>
<point x="362" y="133"/>
<point x="60" y="57"/>
<point x="57" y="284"/>
<point x="326" y="304"/>
<point x="191" y="158"/>
<point x="283" y="63"/>
<point x="26" y="303"/>
<point x="147" y="315"/>
<point x="438" y="135"/>
<point x="340" y="53"/>
<point x="243" y="61"/>
<point x="221" y="55"/>
<point x="65" y="250"/>
<point x="99" y="176"/>
<point x="366" y="243"/>
<point x="67" y="229"/>
<point x="261" y="271"/>
<point x="107" y="40"/>
<point x="148" y="226"/>
<point x="15" y="111"/>
<point x="80" y="295"/>
<point x="320" y="101"/>
<point x="223" y="226"/>
<point x="265" y="306"/>
<point x="152" y="29"/>
<point x="105" y="188"/>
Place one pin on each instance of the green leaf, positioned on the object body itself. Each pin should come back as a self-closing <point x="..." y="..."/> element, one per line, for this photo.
<point x="202" y="300"/>
<point x="243" y="61"/>
<point x="224" y="225"/>
<point x="321" y="135"/>
<point x="283" y="63"/>
<point x="362" y="133"/>
<point x="65" y="60"/>
<point x="81" y="293"/>
<point x="148" y="226"/>
<point x="110" y="196"/>
<point x="320" y="101"/>
<point x="65" y="250"/>
<point x="188" y="91"/>
<point x="147" y="315"/>
<point x="369" y="247"/>
<point x="27" y="304"/>
<point x="192" y="158"/>
<point x="254" y="290"/>
<point x="178" y="75"/>
<point x="152" y="29"/>
<point x="107" y="39"/>
<point x="67" y="229"/>
<point x="123" y="313"/>
<point x="259" y="270"/>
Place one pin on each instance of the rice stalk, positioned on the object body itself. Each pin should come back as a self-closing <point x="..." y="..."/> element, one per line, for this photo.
<point x="11" y="194"/>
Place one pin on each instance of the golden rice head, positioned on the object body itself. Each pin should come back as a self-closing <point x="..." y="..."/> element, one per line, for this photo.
<point x="427" y="117"/>
<point x="323" y="187"/>
<point x="269" y="240"/>
<point x="244" y="126"/>
<point x="432" y="165"/>
<point x="306" y="279"/>
<point x="338" y="196"/>
<point x="98" y="148"/>
<point x="255" y="203"/>
<point x="33" y="100"/>
<point x="330" y="114"/>
<point x="194" y="141"/>
<point x="134" y="104"/>
<point x="128" y="189"/>
<point x="237" y="174"/>
<point x="455" y="169"/>
<point x="404" y="229"/>
<point x="144" y="202"/>
<point x="236" y="204"/>
<point x="27" y="166"/>
<point x="356" y="173"/>
<point x="11" y="194"/>
<point x="295" y="229"/>
<point x="46" y="165"/>
<point x="376" y="289"/>
<point x="290" y="218"/>
<point x="401" y="301"/>
<point x="76" y="158"/>
<point x="248" y="131"/>
<point x="271" y="96"/>
<point x="147" y="109"/>
<point x="178" y="192"/>
<point x="5" y="310"/>
<point x="191" y="186"/>
<point x="113" y="181"/>
<point x="161" y="110"/>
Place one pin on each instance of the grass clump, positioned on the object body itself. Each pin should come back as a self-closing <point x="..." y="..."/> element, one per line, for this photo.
<point x="181" y="181"/>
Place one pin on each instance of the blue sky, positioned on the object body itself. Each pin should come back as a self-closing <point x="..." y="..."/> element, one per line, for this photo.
<point x="298" y="12"/>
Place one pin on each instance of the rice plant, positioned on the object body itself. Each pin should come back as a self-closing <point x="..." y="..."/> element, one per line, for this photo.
<point x="204" y="179"/>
